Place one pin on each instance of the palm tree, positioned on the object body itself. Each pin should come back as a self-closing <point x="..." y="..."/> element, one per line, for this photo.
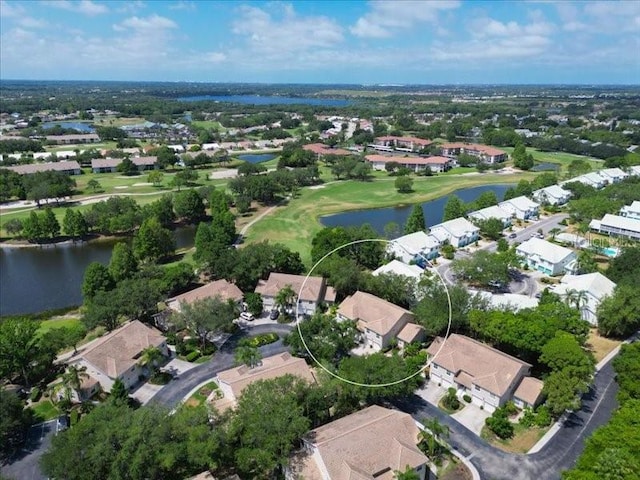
<point x="285" y="298"/>
<point x="433" y="436"/>
<point x="150" y="357"/>
<point x="74" y="376"/>
<point x="71" y="381"/>
<point x="583" y="228"/>
<point x="407" y="474"/>
<point x="577" y="298"/>
<point x="246" y="355"/>
<point x="554" y="231"/>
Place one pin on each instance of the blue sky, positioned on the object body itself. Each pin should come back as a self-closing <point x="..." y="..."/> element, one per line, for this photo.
<point x="425" y="42"/>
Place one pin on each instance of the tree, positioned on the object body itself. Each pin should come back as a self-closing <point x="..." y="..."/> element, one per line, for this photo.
<point x="94" y="185"/>
<point x="522" y="159"/>
<point x="404" y="184"/>
<point x="432" y="436"/>
<point x="450" y="400"/>
<point x="619" y="314"/>
<point x="14" y="424"/>
<point x="391" y="230"/>
<point x="486" y="199"/>
<point x="152" y="241"/>
<point x="20" y="349"/>
<point x="49" y="224"/>
<point x="564" y="353"/>
<point x="207" y="317"/>
<point x="491" y="228"/>
<point x="96" y="278"/>
<point x="483" y="268"/>
<point x="416" y="221"/>
<point x="326" y="338"/>
<point x="104" y="309"/>
<point x="563" y="392"/>
<point x="553" y="232"/>
<point x="247" y="355"/>
<point x="13" y="227"/>
<point x="123" y="263"/>
<point x="285" y="298"/>
<point x="155" y="177"/>
<point x="407" y="474"/>
<point x="188" y="205"/>
<point x="31" y="228"/>
<point x="454" y="208"/>
<point x="127" y="167"/>
<point x="268" y="421"/>
<point x="625" y="268"/>
<point x="503" y="245"/>
<point x="499" y="423"/>
<point x="74" y="224"/>
<point x="118" y="393"/>
<point x="254" y="303"/>
<point x="150" y="358"/>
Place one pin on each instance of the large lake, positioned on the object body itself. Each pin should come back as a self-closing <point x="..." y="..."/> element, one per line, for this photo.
<point x="433" y="210"/>
<point x="269" y="100"/>
<point x="37" y="279"/>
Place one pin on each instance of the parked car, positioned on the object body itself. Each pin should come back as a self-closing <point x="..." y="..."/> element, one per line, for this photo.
<point x="513" y="235"/>
<point x="274" y="314"/>
<point x="62" y="424"/>
<point x="246" y="316"/>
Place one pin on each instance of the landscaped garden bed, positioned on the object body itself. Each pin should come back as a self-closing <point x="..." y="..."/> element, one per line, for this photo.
<point x="201" y="395"/>
<point x="260" y="340"/>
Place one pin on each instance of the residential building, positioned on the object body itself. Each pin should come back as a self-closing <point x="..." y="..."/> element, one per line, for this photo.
<point x="322" y="150"/>
<point x="222" y="289"/>
<point x="397" y="267"/>
<point x="233" y="381"/>
<point x="492" y="212"/>
<point x="106" y="165"/>
<point x="378" y="321"/>
<point x="616" y="226"/>
<point x="117" y="354"/>
<point x="488" y="376"/>
<point x="546" y="257"/>
<point x="484" y="153"/>
<point x="69" y="167"/>
<point x="592" y="179"/>
<point x="529" y="393"/>
<point x="370" y="444"/>
<point x="552" y="195"/>
<point x="459" y="232"/>
<point x="316" y="291"/>
<point x="521" y="207"/>
<point x="73" y="139"/>
<point x="634" y="171"/>
<point x="613" y="175"/>
<point x="585" y="292"/>
<point x="506" y="301"/>
<point x="403" y="144"/>
<point x="413" y="163"/>
<point x="414" y="247"/>
<point x="631" y="211"/>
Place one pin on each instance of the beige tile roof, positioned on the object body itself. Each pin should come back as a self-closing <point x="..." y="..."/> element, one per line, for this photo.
<point x="116" y="352"/>
<point x="489" y="368"/>
<point x="61" y="166"/>
<point x="220" y="288"/>
<point x="368" y="444"/>
<point x="410" y="333"/>
<point x="376" y="314"/>
<point x="529" y="390"/>
<point x="114" y="162"/>
<point x="239" y="378"/>
<point x="314" y="289"/>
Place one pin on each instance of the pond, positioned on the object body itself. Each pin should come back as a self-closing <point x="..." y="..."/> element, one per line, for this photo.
<point x="433" y="210"/>
<point x="79" y="126"/>
<point x="257" y="158"/>
<point x="545" y="166"/>
<point x="269" y="100"/>
<point x="37" y="279"/>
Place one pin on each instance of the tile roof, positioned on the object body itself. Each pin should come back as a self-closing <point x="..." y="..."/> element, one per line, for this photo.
<point x="116" y="352"/>
<point x="238" y="378"/>
<point x="490" y="369"/>
<point x="408" y="160"/>
<point x="114" y="162"/>
<point x="315" y="289"/>
<point x="376" y="314"/>
<point x="219" y="288"/>
<point x="416" y="140"/>
<point x="322" y="149"/>
<point x="529" y="390"/>
<point x="548" y="251"/>
<point x="62" y="166"/>
<point x="485" y="149"/>
<point x="369" y="444"/>
<point x="410" y="333"/>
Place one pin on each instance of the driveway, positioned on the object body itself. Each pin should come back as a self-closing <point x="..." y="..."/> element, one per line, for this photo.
<point x="145" y="392"/>
<point x="24" y="466"/>
<point x="471" y="416"/>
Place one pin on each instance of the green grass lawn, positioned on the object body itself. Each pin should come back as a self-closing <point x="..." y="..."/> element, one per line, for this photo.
<point x="561" y="158"/>
<point x="44" y="410"/>
<point x="81" y="146"/>
<point x="48" y="325"/>
<point x="296" y="223"/>
<point x="200" y="397"/>
<point x="209" y="124"/>
<point x="524" y="438"/>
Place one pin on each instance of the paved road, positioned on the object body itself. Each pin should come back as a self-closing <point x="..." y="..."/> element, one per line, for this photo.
<point x="25" y="465"/>
<point x="559" y="454"/>
<point x="173" y="393"/>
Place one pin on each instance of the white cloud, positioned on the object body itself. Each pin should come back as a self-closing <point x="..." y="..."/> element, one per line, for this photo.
<point x="30" y="22"/>
<point x="387" y="18"/>
<point x="131" y="7"/>
<point x="152" y="22"/>
<point x="291" y="33"/>
<point x="86" y="7"/>
<point x="183" y="5"/>
<point x="214" y="57"/>
<point x="10" y="10"/>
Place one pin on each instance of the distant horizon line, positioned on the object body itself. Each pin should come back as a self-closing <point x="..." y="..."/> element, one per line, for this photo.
<point x="380" y="84"/>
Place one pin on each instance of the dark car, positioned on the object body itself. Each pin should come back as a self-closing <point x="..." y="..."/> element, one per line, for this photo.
<point x="274" y="314"/>
<point x="62" y="424"/>
<point x="513" y="235"/>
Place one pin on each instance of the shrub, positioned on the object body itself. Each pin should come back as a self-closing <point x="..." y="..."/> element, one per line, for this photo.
<point x="528" y="418"/>
<point x="499" y="424"/>
<point x="510" y="408"/>
<point x="466" y="398"/>
<point x="35" y="394"/>
<point x="209" y="349"/>
<point x="190" y="357"/>
<point x="543" y="416"/>
<point x="450" y="400"/>
<point x="74" y="417"/>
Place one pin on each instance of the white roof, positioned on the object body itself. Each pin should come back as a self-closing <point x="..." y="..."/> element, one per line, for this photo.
<point x="595" y="284"/>
<point x="399" y="268"/>
<point x="554" y="191"/>
<point x="415" y="242"/>
<point x="521" y="203"/>
<point x="507" y="301"/>
<point x="491" y="212"/>
<point x="613" y="172"/>
<point x="458" y="227"/>
<point x="571" y="238"/>
<point x="624" y="223"/>
<point x="634" y="207"/>
<point x="592" y="177"/>
<point x="548" y="251"/>
<point x="634" y="170"/>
